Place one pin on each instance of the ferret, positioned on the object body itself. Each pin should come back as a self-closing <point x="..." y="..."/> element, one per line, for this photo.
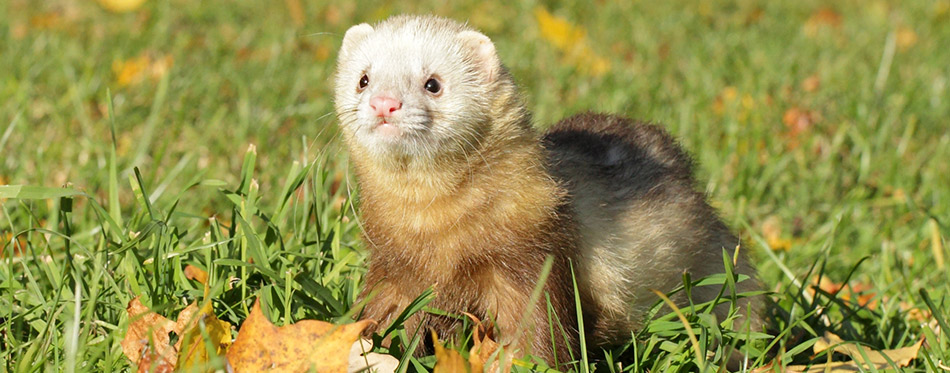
<point x="460" y="193"/>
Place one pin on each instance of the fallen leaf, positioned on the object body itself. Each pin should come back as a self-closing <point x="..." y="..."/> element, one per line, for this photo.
<point x="798" y="120"/>
<point x="913" y="312"/>
<point x="147" y="341"/>
<point x="46" y="20"/>
<point x="571" y="40"/>
<point x="906" y="38"/>
<point x="296" y="12"/>
<point x="17" y="246"/>
<point x="136" y="69"/>
<point x="195" y="354"/>
<point x="865" y="355"/>
<point x="197" y="274"/>
<point x="481" y="352"/>
<point x="811" y="83"/>
<point x="479" y="355"/>
<point x="772" y="231"/>
<point x="820" y="19"/>
<point x="448" y="360"/>
<point x="363" y="361"/>
<point x="121" y="6"/>
<point x="726" y="97"/>
<point x="300" y="347"/>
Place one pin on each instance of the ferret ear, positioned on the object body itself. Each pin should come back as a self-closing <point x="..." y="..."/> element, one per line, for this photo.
<point x="484" y="51"/>
<point x="353" y="36"/>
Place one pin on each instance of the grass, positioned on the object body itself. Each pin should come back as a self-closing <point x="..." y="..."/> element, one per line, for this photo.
<point x="821" y="132"/>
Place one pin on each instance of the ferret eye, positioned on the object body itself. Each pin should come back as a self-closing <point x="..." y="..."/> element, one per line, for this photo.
<point x="433" y="86"/>
<point x="364" y="81"/>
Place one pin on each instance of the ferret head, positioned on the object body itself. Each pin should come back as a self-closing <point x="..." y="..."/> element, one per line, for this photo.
<point x="415" y="88"/>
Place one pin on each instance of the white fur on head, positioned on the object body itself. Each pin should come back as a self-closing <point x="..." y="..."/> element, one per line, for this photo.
<point x="353" y="36"/>
<point x="398" y="57"/>
<point x="484" y="53"/>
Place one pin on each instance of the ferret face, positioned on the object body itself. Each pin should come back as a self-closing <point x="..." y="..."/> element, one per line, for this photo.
<point x="414" y="87"/>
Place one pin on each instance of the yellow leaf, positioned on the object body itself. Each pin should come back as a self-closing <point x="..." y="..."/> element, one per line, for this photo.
<point x="135" y="70"/>
<point x="772" y="231"/>
<point x="558" y="31"/>
<point x="47" y="20"/>
<point x="571" y="41"/>
<point x="448" y="360"/>
<point x="863" y="355"/>
<point x="811" y="83"/>
<point x="130" y="71"/>
<point x="300" y="347"/>
<point x="195" y="354"/>
<point x="121" y="6"/>
<point x="906" y="38"/>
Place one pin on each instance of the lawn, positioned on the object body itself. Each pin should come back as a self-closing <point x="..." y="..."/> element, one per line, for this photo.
<point x="202" y="133"/>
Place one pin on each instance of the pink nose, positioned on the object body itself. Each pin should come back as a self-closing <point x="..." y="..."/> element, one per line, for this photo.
<point x="384" y="106"/>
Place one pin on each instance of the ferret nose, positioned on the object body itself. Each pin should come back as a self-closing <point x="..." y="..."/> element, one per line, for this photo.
<point x="384" y="106"/>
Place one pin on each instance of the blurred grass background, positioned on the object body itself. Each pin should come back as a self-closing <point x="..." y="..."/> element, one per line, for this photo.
<point x="821" y="128"/>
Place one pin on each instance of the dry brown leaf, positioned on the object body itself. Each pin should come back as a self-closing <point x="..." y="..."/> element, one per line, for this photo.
<point x="319" y="345"/>
<point x="879" y="359"/>
<point x="821" y="18"/>
<point x="798" y="120"/>
<point x="864" y="355"/>
<point x="147" y="341"/>
<point x="197" y="274"/>
<point x="811" y="83"/>
<point x="363" y="361"/>
<point x="479" y="355"/>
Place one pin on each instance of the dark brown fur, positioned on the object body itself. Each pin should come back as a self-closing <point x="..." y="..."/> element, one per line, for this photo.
<point x="622" y="166"/>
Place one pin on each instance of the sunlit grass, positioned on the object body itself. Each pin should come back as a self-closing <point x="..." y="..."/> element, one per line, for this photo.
<point x="820" y="130"/>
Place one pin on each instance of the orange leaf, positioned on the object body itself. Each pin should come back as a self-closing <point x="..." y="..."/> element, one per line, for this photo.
<point x="146" y="342"/>
<point x="811" y="83"/>
<point x="197" y="274"/>
<point x="121" y="6"/>
<point x="135" y="70"/>
<point x="300" y="347"/>
<point x="906" y="38"/>
<point x="822" y="18"/>
<point x="448" y="360"/>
